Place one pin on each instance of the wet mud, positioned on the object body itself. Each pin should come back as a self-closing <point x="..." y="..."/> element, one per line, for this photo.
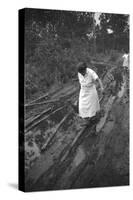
<point x="81" y="157"/>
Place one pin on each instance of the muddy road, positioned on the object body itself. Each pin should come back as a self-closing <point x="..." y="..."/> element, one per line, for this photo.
<point x="62" y="154"/>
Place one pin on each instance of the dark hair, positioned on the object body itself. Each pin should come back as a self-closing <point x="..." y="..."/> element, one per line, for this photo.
<point x="82" y="68"/>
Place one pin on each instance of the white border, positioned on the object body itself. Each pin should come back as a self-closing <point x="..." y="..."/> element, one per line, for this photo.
<point x="9" y="97"/>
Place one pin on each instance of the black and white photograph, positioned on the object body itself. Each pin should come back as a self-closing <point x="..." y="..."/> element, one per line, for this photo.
<point x="74" y="72"/>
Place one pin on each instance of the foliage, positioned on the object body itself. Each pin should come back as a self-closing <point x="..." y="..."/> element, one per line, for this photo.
<point x="53" y="62"/>
<point x="55" y="41"/>
<point x="118" y="24"/>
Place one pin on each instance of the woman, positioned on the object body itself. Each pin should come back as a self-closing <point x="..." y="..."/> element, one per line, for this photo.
<point x="125" y="58"/>
<point x="88" y="97"/>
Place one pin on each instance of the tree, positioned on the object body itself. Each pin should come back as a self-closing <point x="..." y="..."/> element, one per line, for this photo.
<point x="119" y="25"/>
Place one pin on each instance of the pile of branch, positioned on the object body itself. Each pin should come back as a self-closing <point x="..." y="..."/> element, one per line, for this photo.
<point x="44" y="96"/>
<point x="60" y="98"/>
<point x="55" y="105"/>
<point x="37" y="122"/>
<point x="30" y="121"/>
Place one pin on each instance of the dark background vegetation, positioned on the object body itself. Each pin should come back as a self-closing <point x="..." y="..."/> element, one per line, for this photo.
<point x="55" y="41"/>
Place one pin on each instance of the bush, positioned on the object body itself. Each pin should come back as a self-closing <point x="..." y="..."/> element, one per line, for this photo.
<point x="51" y="62"/>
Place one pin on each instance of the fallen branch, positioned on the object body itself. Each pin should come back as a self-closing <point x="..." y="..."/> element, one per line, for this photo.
<point x="52" y="100"/>
<point x="73" y="143"/>
<point x="44" y="118"/>
<point x="52" y="135"/>
<point x="44" y="96"/>
<point x="41" y="97"/>
<point x="28" y="123"/>
<point x="44" y="102"/>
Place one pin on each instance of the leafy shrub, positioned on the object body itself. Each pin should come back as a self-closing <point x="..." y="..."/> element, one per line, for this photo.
<point x="52" y="61"/>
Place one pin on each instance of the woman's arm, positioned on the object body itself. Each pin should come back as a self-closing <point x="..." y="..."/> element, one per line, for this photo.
<point x="100" y="84"/>
<point x="96" y="79"/>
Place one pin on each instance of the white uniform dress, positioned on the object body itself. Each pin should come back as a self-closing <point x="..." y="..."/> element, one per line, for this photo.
<point x="88" y="97"/>
<point x="126" y="60"/>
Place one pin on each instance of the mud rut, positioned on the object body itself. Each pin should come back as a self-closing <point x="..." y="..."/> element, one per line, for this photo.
<point x="62" y="154"/>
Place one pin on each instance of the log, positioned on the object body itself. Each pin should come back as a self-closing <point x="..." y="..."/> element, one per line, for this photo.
<point x="44" y="147"/>
<point x="44" y="102"/>
<point x="52" y="100"/>
<point x="28" y="123"/>
<point x="41" y="97"/>
<point x="73" y="143"/>
<point x="45" y="95"/>
<point x="44" y="118"/>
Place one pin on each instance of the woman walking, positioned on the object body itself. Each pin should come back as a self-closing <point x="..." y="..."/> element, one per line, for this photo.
<point x="88" y="97"/>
